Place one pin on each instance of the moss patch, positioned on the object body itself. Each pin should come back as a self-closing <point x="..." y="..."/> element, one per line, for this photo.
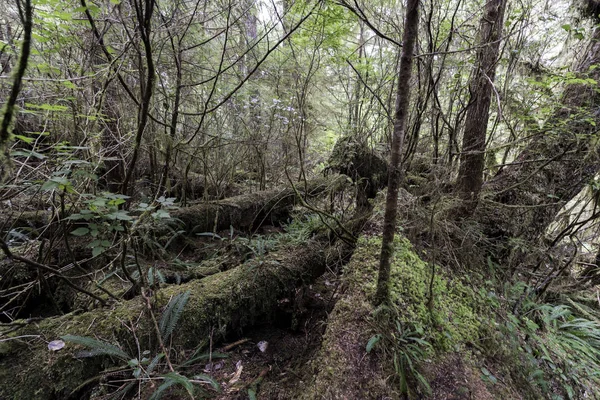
<point x="343" y="368"/>
<point x="455" y="316"/>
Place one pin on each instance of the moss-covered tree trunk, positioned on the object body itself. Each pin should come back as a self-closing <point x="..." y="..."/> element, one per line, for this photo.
<point x="253" y="209"/>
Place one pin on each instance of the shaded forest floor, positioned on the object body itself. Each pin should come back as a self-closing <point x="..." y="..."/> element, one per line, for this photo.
<point x="284" y="313"/>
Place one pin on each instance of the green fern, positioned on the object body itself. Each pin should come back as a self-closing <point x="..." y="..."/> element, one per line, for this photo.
<point x="208" y="379"/>
<point x="121" y="393"/>
<point x="96" y="347"/>
<point x="196" y="357"/>
<point x="172" y="313"/>
<point x="172" y="379"/>
<point x="154" y="363"/>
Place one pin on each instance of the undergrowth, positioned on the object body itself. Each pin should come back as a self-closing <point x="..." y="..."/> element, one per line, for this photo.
<point x="153" y="373"/>
<point x="550" y="350"/>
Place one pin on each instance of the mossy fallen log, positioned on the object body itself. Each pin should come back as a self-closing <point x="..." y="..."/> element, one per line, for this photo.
<point x="344" y="369"/>
<point x="218" y="304"/>
<point x="253" y="209"/>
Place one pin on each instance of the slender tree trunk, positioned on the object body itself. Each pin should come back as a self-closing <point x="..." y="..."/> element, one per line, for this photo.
<point x="411" y="26"/>
<point x="472" y="157"/>
<point x="25" y="14"/>
<point x="144" y="10"/>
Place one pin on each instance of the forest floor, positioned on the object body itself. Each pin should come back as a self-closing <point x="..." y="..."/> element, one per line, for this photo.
<point x="311" y="339"/>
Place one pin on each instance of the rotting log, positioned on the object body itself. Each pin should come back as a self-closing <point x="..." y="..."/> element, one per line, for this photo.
<point x="219" y="304"/>
<point x="31" y="220"/>
<point x="250" y="210"/>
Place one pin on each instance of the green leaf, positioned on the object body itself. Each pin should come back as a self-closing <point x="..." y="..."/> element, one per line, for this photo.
<point x="50" y="185"/>
<point x="80" y="232"/>
<point x="25" y="139"/>
<point x="47" y="107"/>
<point x="372" y="342"/>
<point x="96" y="251"/>
<point x="27" y="153"/>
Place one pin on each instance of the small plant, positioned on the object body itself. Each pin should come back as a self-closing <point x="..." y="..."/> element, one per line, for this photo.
<point x="146" y="369"/>
<point x="103" y="217"/>
<point x="407" y="346"/>
<point x="558" y="346"/>
<point x="303" y="228"/>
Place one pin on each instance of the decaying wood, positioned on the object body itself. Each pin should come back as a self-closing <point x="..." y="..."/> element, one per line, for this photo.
<point x="250" y="210"/>
<point x="218" y="304"/>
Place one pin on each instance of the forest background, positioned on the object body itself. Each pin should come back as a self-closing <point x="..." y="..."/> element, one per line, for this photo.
<point x="177" y="175"/>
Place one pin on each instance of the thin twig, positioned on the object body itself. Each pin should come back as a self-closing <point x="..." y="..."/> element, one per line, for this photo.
<point x="46" y="268"/>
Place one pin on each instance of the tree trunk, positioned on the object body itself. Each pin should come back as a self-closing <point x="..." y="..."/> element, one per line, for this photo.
<point x="26" y="12"/>
<point x="525" y="196"/>
<point x="472" y="157"/>
<point x="411" y="26"/>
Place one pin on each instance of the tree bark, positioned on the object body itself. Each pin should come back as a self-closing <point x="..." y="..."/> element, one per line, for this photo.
<point x="472" y="157"/>
<point x="411" y="26"/>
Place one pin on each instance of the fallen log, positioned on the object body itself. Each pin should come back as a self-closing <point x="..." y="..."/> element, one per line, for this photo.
<point x="253" y="209"/>
<point x="219" y="304"/>
<point x="29" y="220"/>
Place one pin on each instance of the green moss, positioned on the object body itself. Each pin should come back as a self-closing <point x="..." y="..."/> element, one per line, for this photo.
<point x="342" y="368"/>
<point x="454" y="319"/>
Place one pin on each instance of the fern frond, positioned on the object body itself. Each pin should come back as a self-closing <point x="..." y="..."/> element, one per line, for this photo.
<point x="121" y="393"/>
<point x="154" y="362"/>
<point x="210" y="380"/>
<point x="96" y="347"/>
<point x="161" y="389"/>
<point x="172" y="313"/>
<point x="195" y="358"/>
<point x="173" y="378"/>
